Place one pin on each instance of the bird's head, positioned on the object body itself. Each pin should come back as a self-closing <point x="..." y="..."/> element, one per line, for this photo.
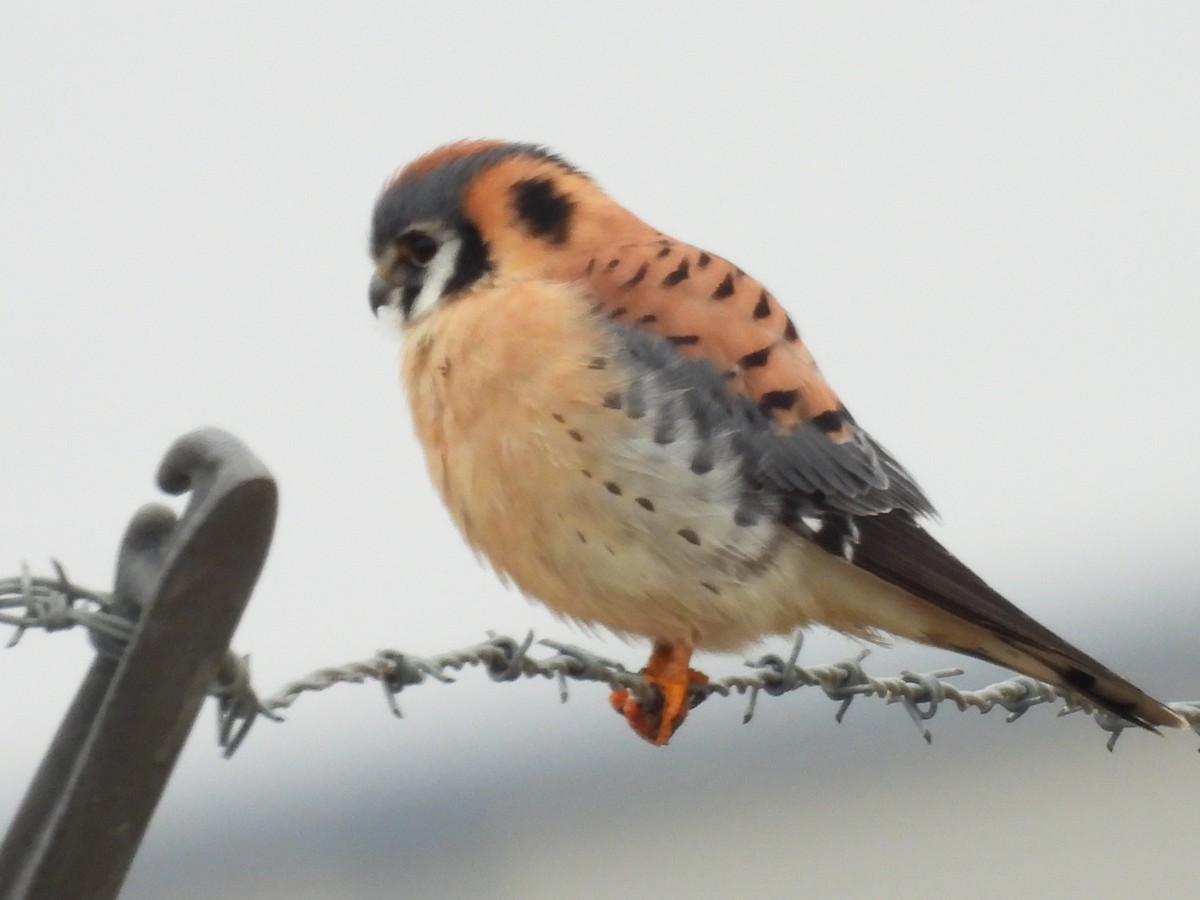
<point x="474" y="211"/>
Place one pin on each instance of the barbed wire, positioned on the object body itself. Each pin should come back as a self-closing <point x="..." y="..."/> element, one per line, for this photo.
<point x="55" y="604"/>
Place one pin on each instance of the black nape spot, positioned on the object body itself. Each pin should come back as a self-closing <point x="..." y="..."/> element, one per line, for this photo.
<point x="586" y="473"/>
<point x="665" y="251"/>
<point x="590" y="266"/>
<point x="724" y="289"/>
<point x="828" y="421"/>
<point x="778" y="400"/>
<point x="709" y="587"/>
<point x="763" y="308"/>
<point x="678" y="274"/>
<point x="612" y="400"/>
<point x="789" y="332"/>
<point x="575" y="435"/>
<point x="545" y="212"/>
<point x="557" y="417"/>
<point x="613" y="263"/>
<point x="703" y="260"/>
<point x="579" y="534"/>
<point x="613" y="488"/>
<point x="618" y="312"/>
<point x="637" y="277"/>
<point x="684" y="340"/>
<point x="598" y="362"/>
<point x="755" y="359"/>
<point x="645" y="503"/>
<point x="690" y="536"/>
<point x="610" y="550"/>
<point x="446" y="367"/>
<point x="647" y="319"/>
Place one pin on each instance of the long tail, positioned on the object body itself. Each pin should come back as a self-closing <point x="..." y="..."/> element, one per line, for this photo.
<point x="894" y="548"/>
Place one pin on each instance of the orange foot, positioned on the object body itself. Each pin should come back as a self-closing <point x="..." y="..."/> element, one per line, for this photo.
<point x="667" y="671"/>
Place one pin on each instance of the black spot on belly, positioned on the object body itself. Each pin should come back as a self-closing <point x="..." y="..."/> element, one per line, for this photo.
<point x="709" y="587"/>
<point x="645" y="503"/>
<point x="690" y="536"/>
<point x="613" y="488"/>
<point x="612" y="400"/>
<point x="575" y="435"/>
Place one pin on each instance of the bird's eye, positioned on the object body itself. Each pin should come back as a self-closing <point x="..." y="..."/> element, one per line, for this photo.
<point x="421" y="247"/>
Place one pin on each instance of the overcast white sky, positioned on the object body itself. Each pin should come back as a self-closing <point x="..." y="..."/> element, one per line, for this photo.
<point x="984" y="220"/>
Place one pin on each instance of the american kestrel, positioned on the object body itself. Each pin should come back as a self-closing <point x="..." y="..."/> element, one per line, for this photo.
<point x="631" y="430"/>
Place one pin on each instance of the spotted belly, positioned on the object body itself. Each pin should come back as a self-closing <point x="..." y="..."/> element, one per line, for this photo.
<point x="601" y="478"/>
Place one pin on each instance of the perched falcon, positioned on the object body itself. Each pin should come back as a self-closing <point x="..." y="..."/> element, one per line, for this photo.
<point x="631" y="430"/>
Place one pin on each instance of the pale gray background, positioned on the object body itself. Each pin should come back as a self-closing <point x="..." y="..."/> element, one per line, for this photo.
<point x="984" y="220"/>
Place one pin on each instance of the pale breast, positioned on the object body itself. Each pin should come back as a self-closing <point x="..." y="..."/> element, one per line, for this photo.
<point x="596" y="469"/>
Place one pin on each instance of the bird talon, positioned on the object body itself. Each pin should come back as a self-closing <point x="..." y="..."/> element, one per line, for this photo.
<point x="671" y="695"/>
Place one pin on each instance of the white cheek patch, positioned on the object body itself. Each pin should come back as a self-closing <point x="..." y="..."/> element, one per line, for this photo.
<point x="437" y="275"/>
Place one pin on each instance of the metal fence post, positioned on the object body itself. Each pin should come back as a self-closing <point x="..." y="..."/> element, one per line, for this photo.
<point x="186" y="582"/>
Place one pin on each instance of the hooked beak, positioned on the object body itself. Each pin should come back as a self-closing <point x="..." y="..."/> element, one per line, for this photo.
<point x="380" y="293"/>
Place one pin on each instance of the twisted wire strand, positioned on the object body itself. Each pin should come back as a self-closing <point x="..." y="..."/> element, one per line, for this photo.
<point x="56" y="604"/>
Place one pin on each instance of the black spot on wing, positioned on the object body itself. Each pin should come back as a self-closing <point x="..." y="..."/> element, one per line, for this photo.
<point x="724" y="289"/>
<point x="829" y="421"/>
<point x="690" y="399"/>
<point x="789" y="331"/>
<point x="703" y="260"/>
<point x="755" y="359"/>
<point x="676" y="275"/>
<point x="542" y="209"/>
<point x="781" y="400"/>
<point x="762" y="309"/>
<point x="684" y="340"/>
<point x="637" y="277"/>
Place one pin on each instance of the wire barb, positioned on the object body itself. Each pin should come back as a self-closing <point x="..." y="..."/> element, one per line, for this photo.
<point x="56" y="604"/>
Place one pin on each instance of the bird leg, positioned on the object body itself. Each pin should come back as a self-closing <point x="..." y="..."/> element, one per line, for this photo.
<point x="669" y="677"/>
